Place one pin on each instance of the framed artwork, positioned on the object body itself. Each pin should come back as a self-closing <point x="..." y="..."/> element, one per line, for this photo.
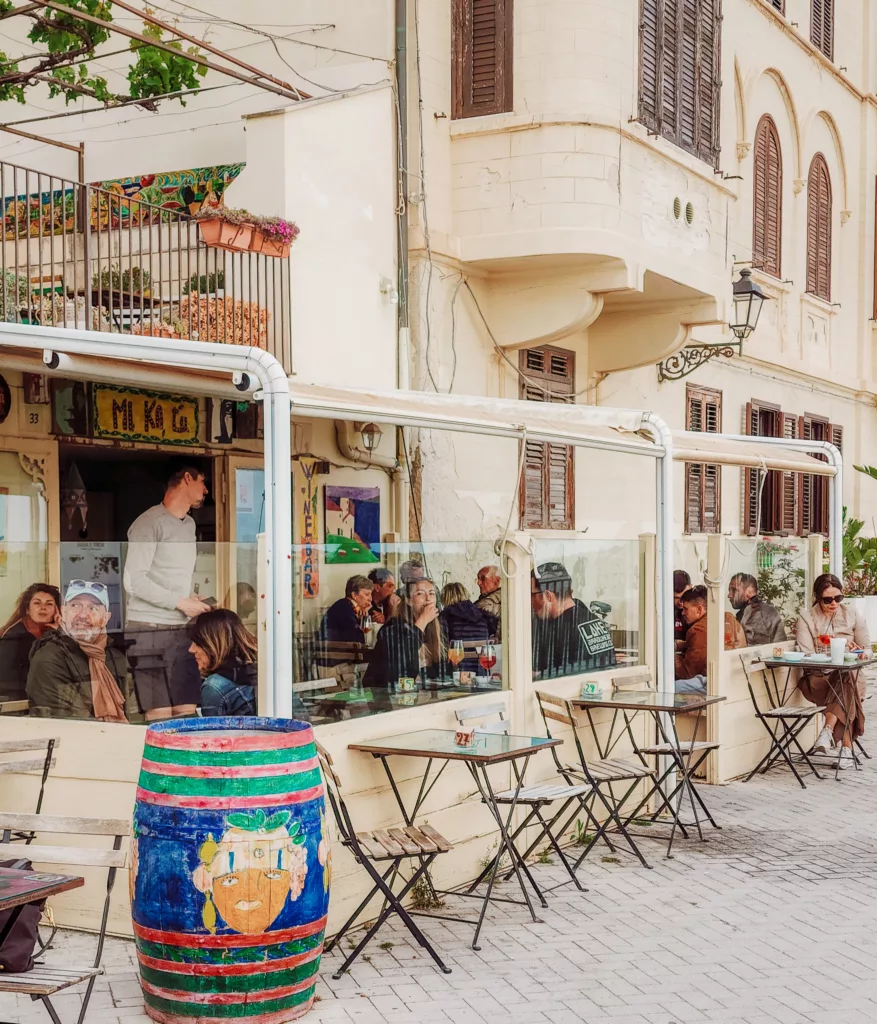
<point x="353" y="525"/>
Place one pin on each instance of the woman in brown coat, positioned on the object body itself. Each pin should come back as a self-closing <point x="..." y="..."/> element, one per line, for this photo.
<point x="830" y="617"/>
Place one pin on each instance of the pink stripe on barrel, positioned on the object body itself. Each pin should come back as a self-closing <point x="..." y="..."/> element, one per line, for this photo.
<point x="191" y="940"/>
<point x="215" y="771"/>
<point x="228" y="803"/>
<point x="212" y="744"/>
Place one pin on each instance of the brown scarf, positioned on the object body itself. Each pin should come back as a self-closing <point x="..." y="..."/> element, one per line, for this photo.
<point x="105" y="694"/>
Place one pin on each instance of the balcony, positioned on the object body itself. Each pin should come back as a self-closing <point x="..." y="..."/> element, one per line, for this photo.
<point x="74" y="255"/>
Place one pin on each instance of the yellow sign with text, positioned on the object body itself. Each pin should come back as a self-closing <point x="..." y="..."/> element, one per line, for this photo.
<point x="131" y="414"/>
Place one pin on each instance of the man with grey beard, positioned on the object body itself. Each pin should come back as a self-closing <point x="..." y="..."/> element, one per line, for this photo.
<point x="74" y="670"/>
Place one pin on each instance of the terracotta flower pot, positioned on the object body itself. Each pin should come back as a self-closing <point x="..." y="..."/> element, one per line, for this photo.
<point x="268" y="246"/>
<point x="219" y="234"/>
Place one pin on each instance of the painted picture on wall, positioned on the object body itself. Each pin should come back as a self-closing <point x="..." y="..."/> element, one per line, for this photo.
<point x="353" y="525"/>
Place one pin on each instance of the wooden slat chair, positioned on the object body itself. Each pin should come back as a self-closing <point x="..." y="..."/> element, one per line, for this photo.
<point x="46" y="980"/>
<point x="41" y="759"/>
<point x="676" y="749"/>
<point x="387" y="848"/>
<point x="13" y="707"/>
<point x="536" y="798"/>
<point x="599" y="774"/>
<point x="783" y="722"/>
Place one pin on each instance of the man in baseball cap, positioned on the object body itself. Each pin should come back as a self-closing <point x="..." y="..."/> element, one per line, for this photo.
<point x="567" y="637"/>
<point x="74" y="671"/>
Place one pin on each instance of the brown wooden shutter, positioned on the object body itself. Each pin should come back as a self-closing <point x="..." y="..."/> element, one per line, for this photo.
<point x="649" y="67"/>
<point x="548" y="485"/>
<point x="819" y="229"/>
<point x="822" y="26"/>
<point x="790" y="486"/>
<point x="779" y="4"/>
<point x="805" y="485"/>
<point x="750" y="481"/>
<point x="680" y="80"/>
<point x="482" y="46"/>
<point x="767" y="226"/>
<point x="874" y="313"/>
<point x="702" y="481"/>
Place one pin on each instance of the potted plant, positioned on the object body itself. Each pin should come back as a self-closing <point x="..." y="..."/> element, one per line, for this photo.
<point x="273" y="236"/>
<point x="242" y="231"/>
<point x="205" y="284"/>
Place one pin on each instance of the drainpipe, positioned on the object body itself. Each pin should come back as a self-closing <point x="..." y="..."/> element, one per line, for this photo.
<point x="401" y="483"/>
<point x="245" y="365"/>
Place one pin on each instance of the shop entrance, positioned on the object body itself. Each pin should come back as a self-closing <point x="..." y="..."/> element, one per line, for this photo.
<point x="116" y="486"/>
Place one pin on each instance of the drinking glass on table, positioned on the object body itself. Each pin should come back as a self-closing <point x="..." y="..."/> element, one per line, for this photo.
<point x="487" y="657"/>
<point x="456" y="654"/>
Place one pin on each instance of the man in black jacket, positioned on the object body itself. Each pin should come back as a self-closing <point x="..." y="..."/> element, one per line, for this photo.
<point x="567" y="637"/>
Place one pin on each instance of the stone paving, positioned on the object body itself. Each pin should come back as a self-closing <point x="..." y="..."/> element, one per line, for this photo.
<point x="770" y="922"/>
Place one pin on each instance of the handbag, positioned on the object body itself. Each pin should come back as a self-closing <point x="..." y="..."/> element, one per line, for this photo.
<point x="16" y="953"/>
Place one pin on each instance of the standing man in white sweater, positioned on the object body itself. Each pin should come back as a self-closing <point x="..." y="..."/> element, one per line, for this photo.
<point x="158" y="583"/>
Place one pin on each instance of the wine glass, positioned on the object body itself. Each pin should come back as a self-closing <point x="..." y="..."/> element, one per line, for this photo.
<point x="456" y="654"/>
<point x="487" y="657"/>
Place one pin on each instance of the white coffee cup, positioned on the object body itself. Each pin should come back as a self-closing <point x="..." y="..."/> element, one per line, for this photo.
<point x="838" y="646"/>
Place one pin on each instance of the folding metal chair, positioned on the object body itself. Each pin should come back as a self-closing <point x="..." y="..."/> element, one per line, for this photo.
<point x="600" y="775"/>
<point x="782" y="722"/>
<point x="46" y="980"/>
<point x="43" y="762"/>
<point x="536" y="798"/>
<point x="379" y="847"/>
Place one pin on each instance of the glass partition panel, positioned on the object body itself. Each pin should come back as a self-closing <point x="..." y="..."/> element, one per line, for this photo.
<point x="766" y="587"/>
<point x="586" y="602"/>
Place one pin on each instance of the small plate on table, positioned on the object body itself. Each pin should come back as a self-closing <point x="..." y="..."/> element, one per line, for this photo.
<point x="818" y="659"/>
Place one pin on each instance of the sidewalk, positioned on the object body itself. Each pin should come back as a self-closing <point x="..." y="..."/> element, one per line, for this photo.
<point x="770" y="922"/>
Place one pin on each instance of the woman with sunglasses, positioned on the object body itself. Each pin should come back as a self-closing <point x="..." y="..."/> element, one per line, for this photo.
<point x="830" y="617"/>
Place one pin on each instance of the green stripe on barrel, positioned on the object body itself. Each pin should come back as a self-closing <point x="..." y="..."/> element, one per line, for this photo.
<point x="229" y="1011"/>
<point x="229" y="758"/>
<point x="228" y="786"/>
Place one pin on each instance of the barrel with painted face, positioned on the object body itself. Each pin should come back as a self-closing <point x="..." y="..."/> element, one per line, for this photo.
<point x="230" y="870"/>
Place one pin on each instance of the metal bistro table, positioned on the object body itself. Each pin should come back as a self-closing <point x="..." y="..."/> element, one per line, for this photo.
<point x="835" y="674"/>
<point x="18" y="888"/>
<point x="659" y="703"/>
<point x="487" y="749"/>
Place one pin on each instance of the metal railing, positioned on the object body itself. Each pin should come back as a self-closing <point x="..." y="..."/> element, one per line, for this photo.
<point x="73" y="255"/>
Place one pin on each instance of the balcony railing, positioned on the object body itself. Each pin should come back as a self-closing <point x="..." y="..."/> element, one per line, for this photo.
<point x="74" y="255"/>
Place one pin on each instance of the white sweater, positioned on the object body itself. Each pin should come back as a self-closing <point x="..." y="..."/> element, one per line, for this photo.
<point x="159" y="567"/>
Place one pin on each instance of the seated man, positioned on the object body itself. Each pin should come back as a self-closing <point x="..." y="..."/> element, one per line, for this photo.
<point x="75" y="672"/>
<point x="567" y="636"/>
<point x="490" y="585"/>
<point x="761" y="622"/>
<point x="691" y="660"/>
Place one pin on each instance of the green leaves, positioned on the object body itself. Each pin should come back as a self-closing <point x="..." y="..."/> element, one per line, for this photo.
<point x="157" y="72"/>
<point x="258" y="821"/>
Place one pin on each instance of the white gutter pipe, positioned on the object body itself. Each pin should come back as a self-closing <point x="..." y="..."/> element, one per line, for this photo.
<point x="274" y="392"/>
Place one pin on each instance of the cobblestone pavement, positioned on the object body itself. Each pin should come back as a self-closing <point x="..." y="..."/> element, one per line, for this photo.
<point x="770" y="922"/>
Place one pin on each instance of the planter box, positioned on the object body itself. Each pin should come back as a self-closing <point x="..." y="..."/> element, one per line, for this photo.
<point x="268" y="246"/>
<point x="219" y="234"/>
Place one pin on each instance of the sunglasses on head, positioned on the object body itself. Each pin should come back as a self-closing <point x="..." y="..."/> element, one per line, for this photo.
<point x="832" y="600"/>
<point x="95" y="588"/>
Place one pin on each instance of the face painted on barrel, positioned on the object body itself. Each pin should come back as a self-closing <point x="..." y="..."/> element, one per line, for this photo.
<point x="248" y="875"/>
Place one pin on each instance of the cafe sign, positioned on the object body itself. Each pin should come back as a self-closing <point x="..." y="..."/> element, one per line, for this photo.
<point x="132" y="414"/>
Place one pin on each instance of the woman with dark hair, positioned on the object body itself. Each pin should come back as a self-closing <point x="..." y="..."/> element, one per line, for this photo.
<point x="830" y="617"/>
<point x="225" y="652"/>
<point x="411" y="645"/>
<point x="37" y="610"/>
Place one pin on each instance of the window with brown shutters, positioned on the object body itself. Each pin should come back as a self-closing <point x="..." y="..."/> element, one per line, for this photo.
<point x="815" y="512"/>
<point x="762" y="492"/>
<point x="703" y="482"/>
<point x="767" y="205"/>
<point x="819" y="229"/>
<point x="547" y="484"/>
<point x="680" y="73"/>
<point x="822" y="26"/>
<point x="482" y="50"/>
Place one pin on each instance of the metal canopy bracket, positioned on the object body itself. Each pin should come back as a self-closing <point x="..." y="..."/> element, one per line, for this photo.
<point x="690" y="358"/>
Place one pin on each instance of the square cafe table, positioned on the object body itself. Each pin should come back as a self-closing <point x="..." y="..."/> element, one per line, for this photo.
<point x="487" y="749"/>
<point x="19" y="887"/>
<point x="835" y="674"/>
<point x="658" y="704"/>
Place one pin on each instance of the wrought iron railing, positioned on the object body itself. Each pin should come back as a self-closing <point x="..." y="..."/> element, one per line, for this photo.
<point x="74" y="255"/>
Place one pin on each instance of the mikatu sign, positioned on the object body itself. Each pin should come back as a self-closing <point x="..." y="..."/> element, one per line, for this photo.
<point x="132" y="414"/>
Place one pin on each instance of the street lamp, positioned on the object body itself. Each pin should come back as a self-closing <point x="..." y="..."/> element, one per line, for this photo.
<point x="748" y="300"/>
<point x="371" y="436"/>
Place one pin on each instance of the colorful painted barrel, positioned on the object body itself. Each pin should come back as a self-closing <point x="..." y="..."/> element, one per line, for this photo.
<point x="230" y="870"/>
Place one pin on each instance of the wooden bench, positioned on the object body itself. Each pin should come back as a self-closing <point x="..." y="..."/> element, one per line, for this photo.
<point x="45" y="980"/>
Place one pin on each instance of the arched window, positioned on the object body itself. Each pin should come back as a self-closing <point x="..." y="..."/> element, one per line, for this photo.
<point x="767" y="203"/>
<point x="819" y="229"/>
